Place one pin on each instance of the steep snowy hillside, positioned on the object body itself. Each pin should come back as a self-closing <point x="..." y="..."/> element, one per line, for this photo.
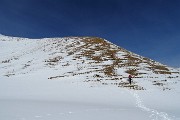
<point x="82" y="78"/>
<point x="95" y="59"/>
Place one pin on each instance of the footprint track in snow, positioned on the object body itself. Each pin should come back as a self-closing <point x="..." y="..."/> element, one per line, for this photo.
<point x="155" y="115"/>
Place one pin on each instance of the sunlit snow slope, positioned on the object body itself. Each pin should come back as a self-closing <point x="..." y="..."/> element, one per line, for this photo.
<point x="83" y="78"/>
<point x="94" y="59"/>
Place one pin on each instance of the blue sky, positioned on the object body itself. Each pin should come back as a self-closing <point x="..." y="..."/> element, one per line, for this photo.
<point x="150" y="28"/>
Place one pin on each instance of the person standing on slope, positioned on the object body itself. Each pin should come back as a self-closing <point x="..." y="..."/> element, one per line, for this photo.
<point x="130" y="79"/>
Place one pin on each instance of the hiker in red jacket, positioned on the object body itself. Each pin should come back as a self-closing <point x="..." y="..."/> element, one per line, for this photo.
<point x="130" y="79"/>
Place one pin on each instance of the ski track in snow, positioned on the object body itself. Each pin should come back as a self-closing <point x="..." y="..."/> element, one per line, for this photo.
<point x="155" y="115"/>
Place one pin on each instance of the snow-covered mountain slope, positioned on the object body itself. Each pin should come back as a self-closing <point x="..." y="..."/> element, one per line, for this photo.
<point x="95" y="59"/>
<point x="82" y="78"/>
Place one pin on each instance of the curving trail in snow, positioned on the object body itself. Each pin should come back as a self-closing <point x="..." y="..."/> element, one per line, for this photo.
<point x="154" y="114"/>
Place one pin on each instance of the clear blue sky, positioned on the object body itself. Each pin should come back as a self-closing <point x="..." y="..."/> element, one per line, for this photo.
<point x="150" y="28"/>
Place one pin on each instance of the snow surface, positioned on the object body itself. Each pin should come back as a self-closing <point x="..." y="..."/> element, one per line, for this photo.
<point x="26" y="93"/>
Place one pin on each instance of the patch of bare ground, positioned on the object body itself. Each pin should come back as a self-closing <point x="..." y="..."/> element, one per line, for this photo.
<point x="96" y="51"/>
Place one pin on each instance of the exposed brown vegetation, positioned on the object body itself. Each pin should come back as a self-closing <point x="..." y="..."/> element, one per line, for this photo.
<point x="159" y="69"/>
<point x="93" y="51"/>
<point x="132" y="72"/>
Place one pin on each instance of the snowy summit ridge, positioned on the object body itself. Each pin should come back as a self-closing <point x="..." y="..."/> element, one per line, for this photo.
<point x="93" y="58"/>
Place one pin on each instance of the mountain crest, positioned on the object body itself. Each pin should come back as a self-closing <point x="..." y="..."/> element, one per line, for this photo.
<point x="93" y="58"/>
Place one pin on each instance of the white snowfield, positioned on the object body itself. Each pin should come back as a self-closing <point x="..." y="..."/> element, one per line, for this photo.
<point x="50" y="79"/>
